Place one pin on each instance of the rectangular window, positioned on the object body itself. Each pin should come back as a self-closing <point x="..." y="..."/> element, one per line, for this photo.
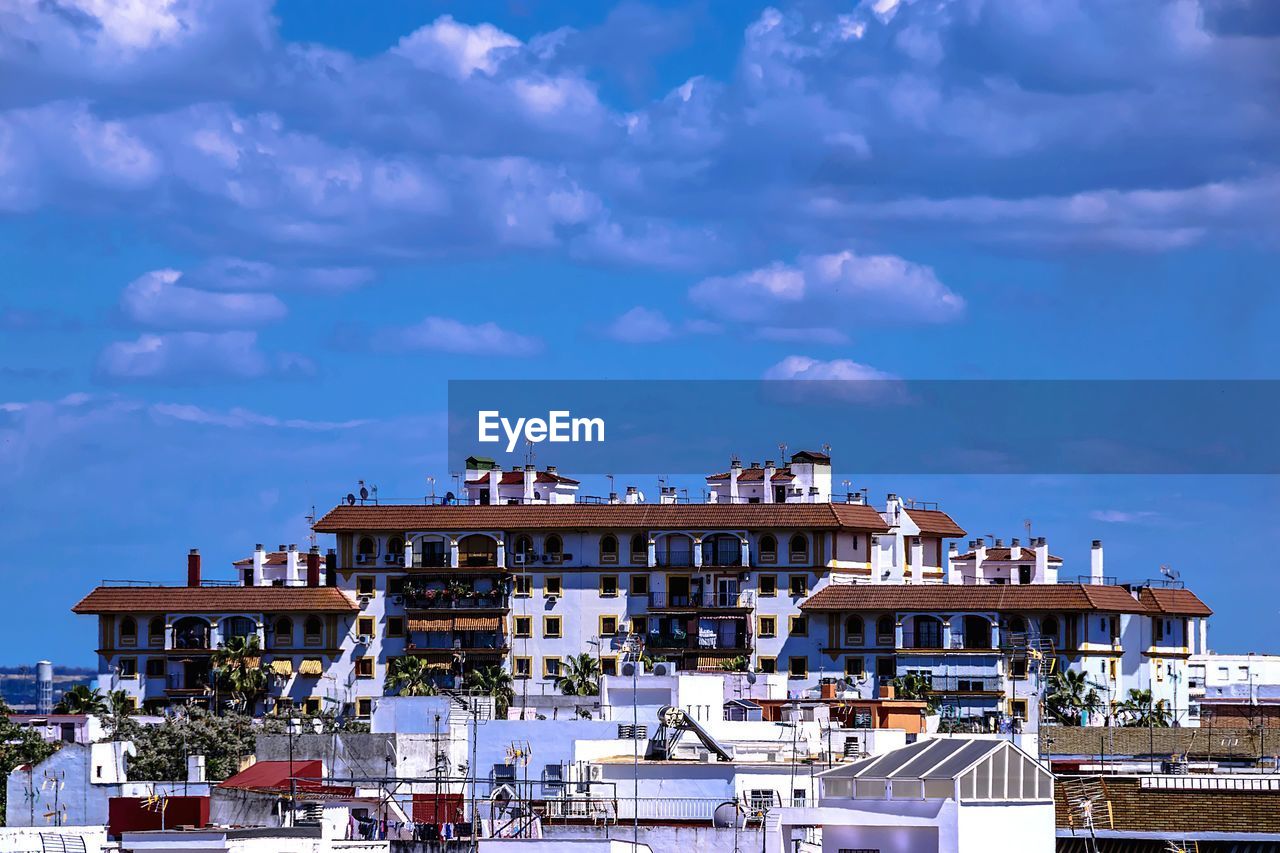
<point x="366" y="585"/>
<point x="1018" y="668"/>
<point x="768" y="586"/>
<point x="608" y="586"/>
<point x="522" y="667"/>
<point x="798" y="666"/>
<point x="768" y="626"/>
<point x="640" y="625"/>
<point x="524" y="626"/>
<point x="766" y="664"/>
<point x="395" y="586"/>
<point x="311" y="705"/>
<point x="551" y="585"/>
<point x="364" y="626"/>
<point x="364" y="667"/>
<point x="799" y="626"/>
<point x="608" y="626"/>
<point x="524" y="586"/>
<point x="364" y="707"/>
<point x="551" y="627"/>
<point x="395" y="626"/>
<point x="551" y="667"/>
<point x="853" y="666"/>
<point x="798" y="585"/>
<point x="1018" y="708"/>
<point x="609" y="665"/>
<point x="639" y="584"/>
<point x="155" y="668"/>
<point x="128" y="667"/>
<point x="1158" y="625"/>
<point x="886" y="668"/>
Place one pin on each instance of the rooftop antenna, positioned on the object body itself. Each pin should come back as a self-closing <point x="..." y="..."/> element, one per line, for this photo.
<point x="826" y="448"/>
<point x="1026" y="522"/>
<point x="611" y="489"/>
<point x="990" y="536"/>
<point x="1169" y="572"/>
<point x="311" y="522"/>
<point x="431" y="484"/>
<point x="783" y="448"/>
<point x="528" y="452"/>
<point x="457" y="489"/>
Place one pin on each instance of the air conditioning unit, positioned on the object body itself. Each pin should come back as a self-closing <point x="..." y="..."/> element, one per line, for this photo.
<point x="361" y="559"/>
<point x="364" y="600"/>
<point x="392" y="559"/>
<point x="397" y="599"/>
<point x="664" y="668"/>
<point x="517" y="559"/>
<point x="363" y="639"/>
<point x="595" y="772"/>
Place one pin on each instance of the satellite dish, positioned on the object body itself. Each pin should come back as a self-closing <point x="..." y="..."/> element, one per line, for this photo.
<point x="351" y="499"/>
<point x="725" y="815"/>
<point x="640" y="495"/>
<point x="364" y="493"/>
<point x="751" y="678"/>
<point x="448" y="497"/>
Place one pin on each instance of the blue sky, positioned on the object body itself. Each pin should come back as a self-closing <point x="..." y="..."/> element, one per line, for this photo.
<point x="244" y="245"/>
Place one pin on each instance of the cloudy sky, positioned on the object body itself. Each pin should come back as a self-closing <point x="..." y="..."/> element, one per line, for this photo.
<point x="244" y="245"/>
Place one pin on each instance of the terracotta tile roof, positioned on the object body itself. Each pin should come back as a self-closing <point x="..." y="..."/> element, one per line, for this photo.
<point x="1015" y="597"/>
<point x="755" y="475"/>
<point x="516" y="478"/>
<point x="1003" y="555"/>
<point x="277" y="558"/>
<point x="1176" y="602"/>
<point x="934" y="521"/>
<point x="401" y="518"/>
<point x="215" y="599"/>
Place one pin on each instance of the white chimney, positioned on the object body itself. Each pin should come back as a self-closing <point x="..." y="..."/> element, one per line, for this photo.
<point x="1095" y="563"/>
<point x="769" y="471"/>
<point x="495" y="479"/>
<point x="953" y="571"/>
<point x="633" y="495"/>
<point x="293" y="567"/>
<point x="529" y="473"/>
<point x="917" y="557"/>
<point x="735" y="468"/>
<point x="979" y="557"/>
<point x="892" y="510"/>
<point x="874" y="547"/>
<point x="1015" y="549"/>
<point x="1042" y="563"/>
<point x="668" y="495"/>
<point x="259" y="565"/>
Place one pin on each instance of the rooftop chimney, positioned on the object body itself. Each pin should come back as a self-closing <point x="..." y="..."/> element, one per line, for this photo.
<point x="769" y="471"/>
<point x="193" y="567"/>
<point x="259" y="565"/>
<point x="1095" y="563"/>
<point x="1015" y="549"/>
<point x="735" y="468"/>
<point x="1042" y="562"/>
<point x="313" y="566"/>
<point x="530" y="472"/>
<point x="292" y="567"/>
<point x="331" y="568"/>
<point x="953" y="571"/>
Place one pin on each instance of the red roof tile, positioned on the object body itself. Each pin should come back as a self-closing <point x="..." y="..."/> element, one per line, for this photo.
<point x="1176" y="602"/>
<point x="752" y="475"/>
<point x="1003" y="555"/>
<point x="935" y="522"/>
<point x="401" y="518"/>
<point x="516" y="478"/>
<point x="934" y="597"/>
<point x="277" y="558"/>
<point x="215" y="599"/>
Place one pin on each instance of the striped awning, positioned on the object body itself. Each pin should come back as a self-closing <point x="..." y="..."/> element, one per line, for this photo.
<point x="706" y="662"/>
<point x="312" y="667"/>
<point x="431" y="623"/>
<point x="476" y="623"/>
<point x="282" y="666"/>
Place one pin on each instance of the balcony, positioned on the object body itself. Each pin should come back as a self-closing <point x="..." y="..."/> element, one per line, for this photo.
<point x="438" y="600"/>
<point x="674" y="559"/>
<point x="702" y="601"/>
<point x="966" y="684"/>
<point x="430" y="560"/>
<point x="193" y="639"/>
<point x="929" y="641"/>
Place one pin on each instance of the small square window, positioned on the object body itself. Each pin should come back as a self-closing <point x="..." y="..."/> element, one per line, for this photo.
<point x="766" y="664"/>
<point x="366" y="585"/>
<point x="524" y="626"/>
<point x="640" y="625"/>
<point x="608" y="586"/>
<point x="311" y="705"/>
<point x="886" y="668"/>
<point x="639" y="584"/>
<point x="1018" y="668"/>
<point x="155" y="668"/>
<point x="551" y="585"/>
<point x="798" y="667"/>
<point x="524" y="586"/>
<point x="364" y="707"/>
<point x="395" y="626"/>
<point x="128" y="667"/>
<point x="799" y="626"/>
<point x="798" y="585"/>
<point x="608" y="666"/>
<point x="608" y="626"/>
<point x="551" y="627"/>
<point x="768" y="626"/>
<point x="364" y="626"/>
<point x="853" y="666"/>
<point x="395" y="586"/>
<point x="522" y="667"/>
<point x="364" y="667"/>
<point x="768" y="586"/>
<point x="551" y="667"/>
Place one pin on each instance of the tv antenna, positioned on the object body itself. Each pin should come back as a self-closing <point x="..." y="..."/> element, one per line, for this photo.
<point x="1026" y="523"/>
<point x="1170" y="572"/>
<point x="311" y="523"/>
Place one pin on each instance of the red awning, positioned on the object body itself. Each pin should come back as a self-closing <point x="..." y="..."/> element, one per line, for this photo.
<point x="274" y="776"/>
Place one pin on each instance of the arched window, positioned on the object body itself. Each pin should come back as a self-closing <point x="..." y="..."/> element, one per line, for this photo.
<point x="555" y="548"/>
<point x="884" y="631"/>
<point x="191" y="632"/>
<point x="977" y="632"/>
<point x="722" y="549"/>
<point x="768" y="548"/>
<point x="313" y="628"/>
<point x="639" y="548"/>
<point x="239" y="626"/>
<point x="477" y="550"/>
<point x="799" y="549"/>
<point x="284" y="632"/>
<point x="1017" y="625"/>
<point x="155" y="631"/>
<point x="927" y="634"/>
<point x="1049" y="627"/>
<point x="608" y="548"/>
<point x="365" y="550"/>
<point x="676" y="550"/>
<point x="128" y="631"/>
<point x="853" y="631"/>
<point x="395" y="546"/>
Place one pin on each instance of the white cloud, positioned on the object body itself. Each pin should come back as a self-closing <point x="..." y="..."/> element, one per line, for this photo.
<point x="157" y="299"/>
<point x="196" y="356"/>
<point x="1116" y="516"/>
<point x="459" y="50"/>
<point x="835" y="286"/>
<point x="240" y="418"/>
<point x="803" y="367"/>
<point x="802" y="334"/>
<point x="640" y="325"/>
<point x="448" y="335"/>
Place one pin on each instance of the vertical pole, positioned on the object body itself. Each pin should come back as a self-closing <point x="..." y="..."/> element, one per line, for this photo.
<point x="293" y="785"/>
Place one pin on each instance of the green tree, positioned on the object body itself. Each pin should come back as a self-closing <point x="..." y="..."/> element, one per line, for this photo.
<point x="19" y="745"/>
<point x="238" y="668"/>
<point x="735" y="664"/>
<point x="118" y="720"/>
<point x="1069" y="694"/>
<point x="915" y="686"/>
<point x="1139" y="710"/>
<point x="411" y="676"/>
<point x="82" y="700"/>
<point x="496" y="682"/>
<point x="162" y="750"/>
<point x="580" y="676"/>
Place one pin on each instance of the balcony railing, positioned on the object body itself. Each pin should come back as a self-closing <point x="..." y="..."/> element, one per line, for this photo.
<point x="692" y="643"/>
<point x="932" y="642"/>
<point x="674" y="559"/>
<point x="722" y="558"/>
<point x="192" y="640"/>
<point x="431" y="560"/>
<point x="702" y="600"/>
<point x="966" y="684"/>
<point x="178" y="681"/>
<point x="443" y="600"/>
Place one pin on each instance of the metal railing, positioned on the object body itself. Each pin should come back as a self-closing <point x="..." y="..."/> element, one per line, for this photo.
<point x="674" y="559"/>
<point x="966" y="684"/>
<point x="702" y="600"/>
<point x="623" y="808"/>
<point x="445" y="601"/>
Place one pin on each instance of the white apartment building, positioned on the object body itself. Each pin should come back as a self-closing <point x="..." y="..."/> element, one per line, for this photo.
<point x="1228" y="690"/>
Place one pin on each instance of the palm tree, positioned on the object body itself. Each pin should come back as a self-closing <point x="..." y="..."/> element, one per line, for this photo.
<point x="1071" y="694"/>
<point x="81" y="700"/>
<point x="119" y="721"/>
<point x="238" y="666"/>
<point x="411" y="676"/>
<point x="496" y="682"/>
<point x="580" y="676"/>
<point x="1139" y="710"/>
